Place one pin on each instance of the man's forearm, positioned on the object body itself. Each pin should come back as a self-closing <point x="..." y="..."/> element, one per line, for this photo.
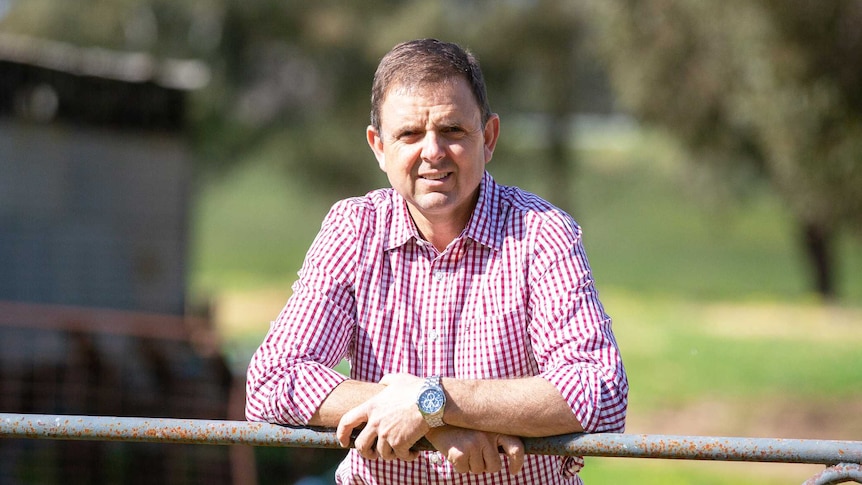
<point x="344" y="397"/>
<point x="526" y="407"/>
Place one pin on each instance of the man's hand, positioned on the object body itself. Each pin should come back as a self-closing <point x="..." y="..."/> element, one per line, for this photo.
<point x="392" y="421"/>
<point x="477" y="451"/>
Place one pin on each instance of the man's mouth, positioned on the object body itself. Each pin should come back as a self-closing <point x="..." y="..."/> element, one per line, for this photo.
<point x="435" y="176"/>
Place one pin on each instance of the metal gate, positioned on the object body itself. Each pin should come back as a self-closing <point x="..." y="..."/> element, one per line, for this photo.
<point x="843" y="459"/>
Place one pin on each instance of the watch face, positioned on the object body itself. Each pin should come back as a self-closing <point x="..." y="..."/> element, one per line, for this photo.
<point x="431" y="400"/>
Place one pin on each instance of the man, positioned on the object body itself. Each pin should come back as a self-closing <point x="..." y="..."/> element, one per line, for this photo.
<point x="466" y="309"/>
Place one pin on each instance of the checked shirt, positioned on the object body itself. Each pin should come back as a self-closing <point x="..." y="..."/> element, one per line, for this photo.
<point x="513" y="296"/>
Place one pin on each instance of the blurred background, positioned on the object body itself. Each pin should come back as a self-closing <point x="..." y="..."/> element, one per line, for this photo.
<point x="164" y="165"/>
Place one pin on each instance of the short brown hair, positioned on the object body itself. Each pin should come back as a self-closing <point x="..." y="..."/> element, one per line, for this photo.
<point x="426" y="61"/>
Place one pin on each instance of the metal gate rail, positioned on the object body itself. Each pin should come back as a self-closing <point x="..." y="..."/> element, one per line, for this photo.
<point x="842" y="458"/>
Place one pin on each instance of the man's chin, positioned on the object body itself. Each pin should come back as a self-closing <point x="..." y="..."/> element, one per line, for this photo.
<point x="434" y="204"/>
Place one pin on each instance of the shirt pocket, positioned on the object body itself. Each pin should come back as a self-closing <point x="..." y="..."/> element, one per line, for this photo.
<point x="494" y="347"/>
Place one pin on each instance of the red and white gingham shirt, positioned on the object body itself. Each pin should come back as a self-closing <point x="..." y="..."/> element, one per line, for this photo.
<point x="513" y="296"/>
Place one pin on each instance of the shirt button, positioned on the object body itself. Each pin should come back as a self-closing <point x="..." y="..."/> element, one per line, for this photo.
<point x="436" y="459"/>
<point x="439" y="275"/>
<point x="432" y="335"/>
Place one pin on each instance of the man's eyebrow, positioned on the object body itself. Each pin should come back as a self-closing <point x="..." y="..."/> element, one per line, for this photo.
<point x="448" y="122"/>
<point x="464" y="126"/>
<point x="456" y="122"/>
<point x="407" y="127"/>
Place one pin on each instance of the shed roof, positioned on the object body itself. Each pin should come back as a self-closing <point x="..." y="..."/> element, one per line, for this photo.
<point x="48" y="81"/>
<point x="131" y="67"/>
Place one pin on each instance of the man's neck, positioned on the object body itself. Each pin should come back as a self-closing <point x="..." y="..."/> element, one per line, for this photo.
<point x="440" y="232"/>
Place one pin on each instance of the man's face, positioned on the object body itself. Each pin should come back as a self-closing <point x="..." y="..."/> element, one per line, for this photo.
<point x="433" y="147"/>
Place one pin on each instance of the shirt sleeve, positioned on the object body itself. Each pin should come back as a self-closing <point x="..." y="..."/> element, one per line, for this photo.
<point x="291" y="373"/>
<point x="571" y="334"/>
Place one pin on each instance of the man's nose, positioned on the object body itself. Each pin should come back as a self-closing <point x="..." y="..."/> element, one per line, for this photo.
<point x="433" y="147"/>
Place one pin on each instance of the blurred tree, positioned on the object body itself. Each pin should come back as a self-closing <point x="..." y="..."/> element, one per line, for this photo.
<point x="767" y="87"/>
<point x="531" y="69"/>
<point x="541" y="54"/>
<point x="177" y="28"/>
<point x="292" y="79"/>
<point x="538" y="70"/>
<point x="284" y="72"/>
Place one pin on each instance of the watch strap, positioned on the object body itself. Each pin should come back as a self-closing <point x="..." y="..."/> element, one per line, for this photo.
<point x="434" y="420"/>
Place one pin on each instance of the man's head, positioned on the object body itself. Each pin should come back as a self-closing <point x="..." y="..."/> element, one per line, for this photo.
<point x="433" y="133"/>
<point x="426" y="61"/>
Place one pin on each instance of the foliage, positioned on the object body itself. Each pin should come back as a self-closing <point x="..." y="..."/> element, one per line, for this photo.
<point x="754" y="89"/>
<point x="770" y="84"/>
<point x="297" y="75"/>
<point x="764" y="87"/>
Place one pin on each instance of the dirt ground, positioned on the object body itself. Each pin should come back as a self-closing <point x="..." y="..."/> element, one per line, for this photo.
<point x="824" y="420"/>
<point x="827" y="419"/>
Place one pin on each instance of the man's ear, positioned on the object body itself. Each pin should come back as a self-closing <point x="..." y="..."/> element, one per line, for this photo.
<point x="491" y="133"/>
<point x="375" y="141"/>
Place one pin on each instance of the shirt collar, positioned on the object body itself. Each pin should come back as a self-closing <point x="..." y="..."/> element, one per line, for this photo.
<point x="403" y="228"/>
<point x="483" y="226"/>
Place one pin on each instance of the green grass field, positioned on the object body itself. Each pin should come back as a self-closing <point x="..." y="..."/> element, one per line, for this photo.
<point x="709" y="297"/>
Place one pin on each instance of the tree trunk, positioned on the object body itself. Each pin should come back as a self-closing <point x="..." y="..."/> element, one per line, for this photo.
<point x="561" y="164"/>
<point x="560" y="94"/>
<point x="818" y="243"/>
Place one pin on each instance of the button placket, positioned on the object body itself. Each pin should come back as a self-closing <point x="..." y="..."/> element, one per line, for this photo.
<point x="436" y="328"/>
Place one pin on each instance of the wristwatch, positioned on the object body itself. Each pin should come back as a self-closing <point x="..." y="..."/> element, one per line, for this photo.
<point x="432" y="401"/>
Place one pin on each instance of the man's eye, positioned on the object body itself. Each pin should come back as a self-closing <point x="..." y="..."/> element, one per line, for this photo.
<point x="407" y="135"/>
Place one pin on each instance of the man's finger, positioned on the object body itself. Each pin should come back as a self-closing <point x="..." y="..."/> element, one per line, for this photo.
<point x="477" y="462"/>
<point x="366" y="444"/>
<point x="514" y="449"/>
<point x="350" y="421"/>
<point x="384" y="450"/>
<point x="460" y="462"/>
<point x="408" y="454"/>
<point x="491" y="457"/>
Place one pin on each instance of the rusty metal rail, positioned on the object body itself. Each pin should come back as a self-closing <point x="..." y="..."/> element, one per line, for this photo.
<point x="842" y="458"/>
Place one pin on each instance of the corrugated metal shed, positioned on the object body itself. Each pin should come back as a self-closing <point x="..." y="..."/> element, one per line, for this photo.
<point x="95" y="180"/>
<point x="94" y="176"/>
